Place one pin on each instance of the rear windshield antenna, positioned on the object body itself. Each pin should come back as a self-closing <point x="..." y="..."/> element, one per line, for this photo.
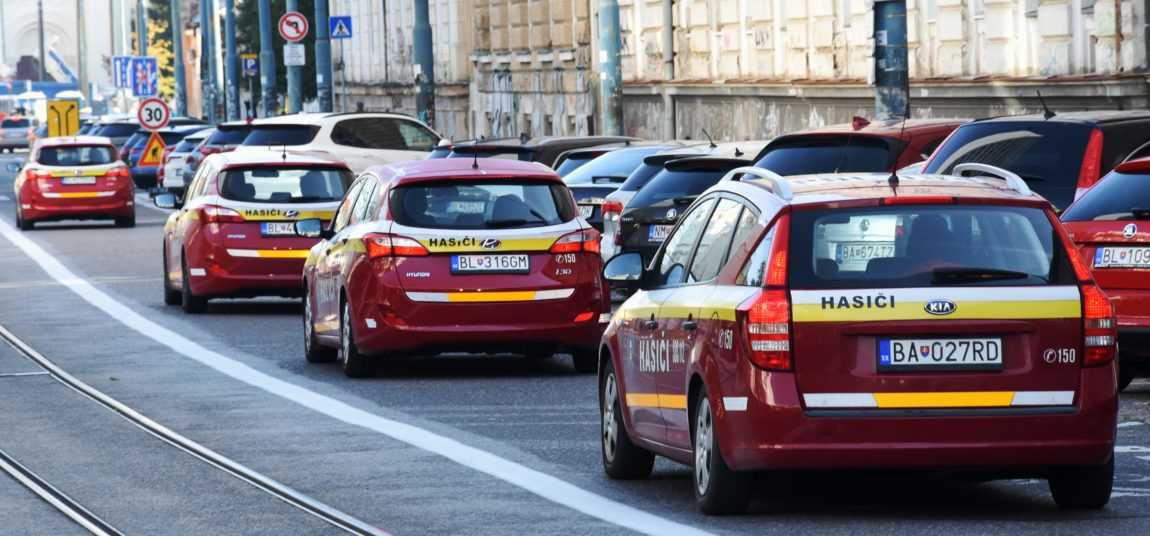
<point x="708" y="135"/>
<point x="475" y="158"/>
<point x="1047" y="113"/>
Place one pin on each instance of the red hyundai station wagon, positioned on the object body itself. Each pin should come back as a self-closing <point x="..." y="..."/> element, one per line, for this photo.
<point x="1111" y="225"/>
<point x="860" y="321"/>
<point x="454" y="255"/>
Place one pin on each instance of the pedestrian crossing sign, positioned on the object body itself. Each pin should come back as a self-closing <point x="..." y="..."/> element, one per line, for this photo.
<point x="339" y="27"/>
<point x="153" y="151"/>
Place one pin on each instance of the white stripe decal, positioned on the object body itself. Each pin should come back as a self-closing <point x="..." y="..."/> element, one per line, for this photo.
<point x="556" y="294"/>
<point x="735" y="403"/>
<point x="997" y="294"/>
<point x="433" y="297"/>
<point x="243" y="253"/>
<point x="199" y="272"/>
<point x="840" y="400"/>
<point x="1043" y="398"/>
<point x="445" y="297"/>
<point x="534" y="481"/>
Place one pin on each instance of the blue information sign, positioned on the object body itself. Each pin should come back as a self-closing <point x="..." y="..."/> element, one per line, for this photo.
<point x="145" y="76"/>
<point x="121" y="71"/>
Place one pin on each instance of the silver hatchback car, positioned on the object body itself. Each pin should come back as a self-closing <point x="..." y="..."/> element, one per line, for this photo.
<point x="14" y="132"/>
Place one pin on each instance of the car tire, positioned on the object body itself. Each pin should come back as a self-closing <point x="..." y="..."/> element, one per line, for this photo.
<point x="312" y="349"/>
<point x="126" y="221"/>
<point x="1082" y="488"/>
<point x="585" y="360"/>
<point x="23" y="224"/>
<point x="191" y="303"/>
<point x="355" y="364"/>
<point x="719" y="490"/>
<point x="1125" y="376"/>
<point x="622" y="459"/>
<point x="171" y="295"/>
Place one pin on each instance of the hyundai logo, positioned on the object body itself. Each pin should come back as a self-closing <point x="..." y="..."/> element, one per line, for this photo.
<point x="940" y="307"/>
<point x="1129" y="231"/>
<point x="291" y="213"/>
<point x="491" y="243"/>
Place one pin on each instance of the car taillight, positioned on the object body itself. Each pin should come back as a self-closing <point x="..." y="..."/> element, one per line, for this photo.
<point x="767" y="321"/>
<point x="612" y="211"/>
<point x="1100" y="335"/>
<point x="117" y="173"/>
<point x="218" y="214"/>
<point x="1091" y="169"/>
<point x="380" y="245"/>
<point x="37" y="174"/>
<point x="585" y="240"/>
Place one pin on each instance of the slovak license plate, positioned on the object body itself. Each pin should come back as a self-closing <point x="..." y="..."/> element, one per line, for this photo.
<point x="78" y="180"/>
<point x="851" y="252"/>
<point x="1124" y="257"/>
<point x="491" y="264"/>
<point x="585" y="211"/>
<point x="277" y="228"/>
<point x="939" y="354"/>
<point x="658" y="233"/>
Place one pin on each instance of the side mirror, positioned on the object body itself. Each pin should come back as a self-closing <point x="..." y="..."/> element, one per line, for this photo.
<point x="624" y="271"/>
<point x="312" y="228"/>
<point x="13" y="167"/>
<point x="165" y="200"/>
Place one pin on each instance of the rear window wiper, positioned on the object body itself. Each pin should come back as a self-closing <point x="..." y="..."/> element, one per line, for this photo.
<point x="974" y="275"/>
<point x="1140" y="213"/>
<point x="510" y="222"/>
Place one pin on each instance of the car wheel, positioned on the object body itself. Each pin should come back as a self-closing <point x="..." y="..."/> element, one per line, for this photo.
<point x="355" y="364"/>
<point x="622" y="459"/>
<point x="23" y="224"/>
<point x="1125" y="376"/>
<point x="171" y="295"/>
<point x="718" y="489"/>
<point x="191" y="303"/>
<point x="127" y="221"/>
<point x="1082" y="488"/>
<point x="586" y="360"/>
<point x="313" y="350"/>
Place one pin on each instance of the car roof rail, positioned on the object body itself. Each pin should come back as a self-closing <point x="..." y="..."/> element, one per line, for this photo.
<point x="1013" y="181"/>
<point x="780" y="186"/>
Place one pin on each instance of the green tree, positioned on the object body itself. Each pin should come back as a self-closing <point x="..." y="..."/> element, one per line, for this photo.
<point x="248" y="42"/>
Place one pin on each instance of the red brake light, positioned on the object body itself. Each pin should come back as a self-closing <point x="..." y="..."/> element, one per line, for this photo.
<point x="612" y="207"/>
<point x="777" y="266"/>
<point x="1091" y="169"/>
<point x="1099" y="331"/>
<point x="918" y="200"/>
<point x="768" y="330"/>
<point x="585" y="240"/>
<point x="37" y="174"/>
<point x="388" y="245"/>
<point x="1141" y="165"/>
<point x="218" y="214"/>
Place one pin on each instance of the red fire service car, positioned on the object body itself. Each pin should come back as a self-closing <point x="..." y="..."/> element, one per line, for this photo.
<point x="74" y="178"/>
<point x="236" y="234"/>
<point x="854" y="321"/>
<point x="454" y="255"/>
<point x="1111" y="225"/>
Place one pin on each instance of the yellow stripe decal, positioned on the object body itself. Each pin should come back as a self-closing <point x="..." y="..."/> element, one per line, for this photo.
<point x="475" y="244"/>
<point x="82" y="173"/>
<point x="75" y="195"/>
<point x="275" y="214"/>
<point x="655" y="400"/>
<point x="270" y="253"/>
<point x="524" y="295"/>
<point x="966" y="399"/>
<point x="969" y="310"/>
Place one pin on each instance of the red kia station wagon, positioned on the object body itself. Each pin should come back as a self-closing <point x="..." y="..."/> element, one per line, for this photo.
<point x="862" y="321"/>
<point x="454" y="255"/>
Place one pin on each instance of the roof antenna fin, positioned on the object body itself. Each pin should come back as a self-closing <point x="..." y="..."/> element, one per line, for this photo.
<point x="708" y="135"/>
<point x="475" y="158"/>
<point x="1047" y="113"/>
<point x="283" y="154"/>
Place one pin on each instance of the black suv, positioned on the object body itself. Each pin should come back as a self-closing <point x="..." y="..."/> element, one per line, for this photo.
<point x="1059" y="155"/>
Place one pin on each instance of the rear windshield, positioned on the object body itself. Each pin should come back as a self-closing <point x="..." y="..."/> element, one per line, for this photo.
<point x="118" y="130"/>
<point x="285" y="185"/>
<point x="171" y="137"/>
<point x="281" y="135"/>
<point x="509" y="153"/>
<point x="14" y="123"/>
<point x="668" y="184"/>
<point x="1119" y="196"/>
<point x="472" y="205"/>
<point x="827" y="154"/>
<point x="229" y="135"/>
<point x="1047" y="155"/>
<point x="574" y="162"/>
<point x="615" y="166"/>
<point x="77" y="155"/>
<point x="187" y="144"/>
<point x="923" y="246"/>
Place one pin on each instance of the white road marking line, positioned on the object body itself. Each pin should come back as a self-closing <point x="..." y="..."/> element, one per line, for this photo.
<point x="21" y="374"/>
<point x="1128" y="424"/>
<point x="542" y="484"/>
<point x="1131" y="449"/>
<point x="5" y="198"/>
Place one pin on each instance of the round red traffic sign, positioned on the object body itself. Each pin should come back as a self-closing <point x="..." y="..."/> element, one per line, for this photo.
<point x="153" y="113"/>
<point x="293" y="26"/>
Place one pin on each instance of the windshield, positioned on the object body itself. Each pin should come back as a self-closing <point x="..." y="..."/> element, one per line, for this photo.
<point x="1047" y="155"/>
<point x="574" y="162"/>
<point x="827" y="154"/>
<point x="668" y="184"/>
<point x="640" y="177"/>
<point x="1119" y="196"/>
<point x="615" y="166"/>
<point x="280" y="135"/>
<point x="77" y="155"/>
<point x="923" y="245"/>
<point x="118" y="130"/>
<point x="229" y="135"/>
<point x="15" y="123"/>
<point x="473" y="205"/>
<point x="285" y="185"/>
<point x="187" y="144"/>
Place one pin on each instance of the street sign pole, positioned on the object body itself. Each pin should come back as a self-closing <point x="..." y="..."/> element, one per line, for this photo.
<point x="178" y="58"/>
<point x="339" y="28"/>
<point x="322" y="57"/>
<point x="267" y="61"/>
<point x="294" y="74"/>
<point x="231" y="80"/>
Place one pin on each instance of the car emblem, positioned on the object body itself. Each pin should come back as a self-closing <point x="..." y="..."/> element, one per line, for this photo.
<point x="939" y="307"/>
<point x="491" y="243"/>
<point x="672" y="213"/>
<point x="864" y="225"/>
<point x="291" y="213"/>
<point x="1129" y="231"/>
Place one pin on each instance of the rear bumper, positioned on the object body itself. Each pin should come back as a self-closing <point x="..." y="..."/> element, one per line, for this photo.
<point x="777" y="432"/>
<point x="144" y="177"/>
<point x="390" y="337"/>
<point x="214" y="272"/>
<point x="13" y="144"/>
<point x="43" y="209"/>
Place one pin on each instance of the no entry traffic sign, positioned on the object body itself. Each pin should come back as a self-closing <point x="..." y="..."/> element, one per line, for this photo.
<point x="153" y="114"/>
<point x="293" y="26"/>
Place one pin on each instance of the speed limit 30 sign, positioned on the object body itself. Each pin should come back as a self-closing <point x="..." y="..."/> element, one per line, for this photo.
<point x="153" y="114"/>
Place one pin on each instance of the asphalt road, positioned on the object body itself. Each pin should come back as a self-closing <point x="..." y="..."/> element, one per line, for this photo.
<point x="533" y="414"/>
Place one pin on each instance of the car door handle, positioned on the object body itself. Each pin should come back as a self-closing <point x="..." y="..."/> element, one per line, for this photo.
<point x="690" y="325"/>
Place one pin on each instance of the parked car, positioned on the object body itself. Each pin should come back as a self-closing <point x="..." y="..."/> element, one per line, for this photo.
<point x="1110" y="223"/>
<point x="361" y="139"/>
<point x="171" y="175"/>
<point x="574" y="159"/>
<point x="73" y="178"/>
<point x="147" y="176"/>
<point x="120" y="130"/>
<point x="224" y="138"/>
<point x="1061" y="156"/>
<point x="859" y="146"/>
<point x="545" y="150"/>
<point x="14" y="133"/>
<point x="593" y="182"/>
